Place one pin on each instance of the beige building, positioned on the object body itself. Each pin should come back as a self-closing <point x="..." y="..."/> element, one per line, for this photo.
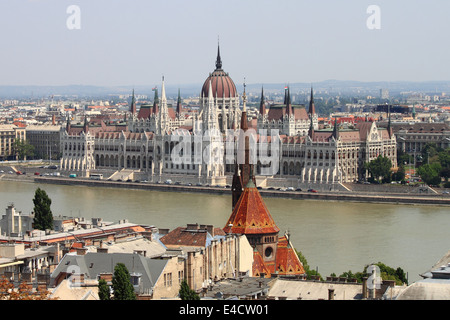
<point x="14" y="223"/>
<point x="211" y="255"/>
<point x="152" y="278"/>
<point x="8" y="134"/>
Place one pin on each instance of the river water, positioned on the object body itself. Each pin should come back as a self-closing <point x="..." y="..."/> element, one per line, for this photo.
<point x="333" y="236"/>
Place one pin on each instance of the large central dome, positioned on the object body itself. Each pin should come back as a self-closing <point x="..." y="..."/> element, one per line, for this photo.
<point x="221" y="83"/>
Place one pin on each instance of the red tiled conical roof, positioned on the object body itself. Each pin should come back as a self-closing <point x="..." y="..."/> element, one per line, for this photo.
<point x="287" y="261"/>
<point x="250" y="215"/>
<point x="259" y="266"/>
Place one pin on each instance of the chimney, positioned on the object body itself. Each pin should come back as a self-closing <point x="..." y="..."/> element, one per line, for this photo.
<point x="140" y="252"/>
<point x="147" y="235"/>
<point x="77" y="278"/>
<point x="192" y="226"/>
<point x="209" y="228"/>
<point x="101" y="249"/>
<point x="364" y="288"/>
<point x="81" y="251"/>
<point x="330" y="294"/>
<point x="106" y="276"/>
<point x="163" y="231"/>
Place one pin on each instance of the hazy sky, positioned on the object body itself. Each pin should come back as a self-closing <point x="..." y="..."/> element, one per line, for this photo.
<point x="135" y="42"/>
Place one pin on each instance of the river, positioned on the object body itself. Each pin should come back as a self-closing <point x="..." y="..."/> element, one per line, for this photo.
<point x="333" y="236"/>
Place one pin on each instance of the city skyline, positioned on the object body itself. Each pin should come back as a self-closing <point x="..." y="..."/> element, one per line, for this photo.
<point x="114" y="43"/>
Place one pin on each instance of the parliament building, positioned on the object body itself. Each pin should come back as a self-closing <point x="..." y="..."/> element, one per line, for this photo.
<point x="142" y="147"/>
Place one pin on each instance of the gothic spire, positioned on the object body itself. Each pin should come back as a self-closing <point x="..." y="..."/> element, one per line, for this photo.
<point x="179" y="107"/>
<point x="389" y="128"/>
<point x="312" y="109"/>
<point x="155" y="101"/>
<point x="335" y="129"/>
<point x="218" y="60"/>
<point x="86" y="125"/>
<point x="133" y="104"/>
<point x="262" y="104"/>
<point x="288" y="103"/>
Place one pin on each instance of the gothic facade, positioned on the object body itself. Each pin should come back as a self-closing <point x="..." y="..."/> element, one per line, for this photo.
<point x="160" y="142"/>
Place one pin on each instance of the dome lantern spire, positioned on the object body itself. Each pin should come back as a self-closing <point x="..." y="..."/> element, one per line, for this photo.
<point x="218" y="60"/>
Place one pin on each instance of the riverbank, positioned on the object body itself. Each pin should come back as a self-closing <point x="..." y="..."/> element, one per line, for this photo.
<point x="417" y="199"/>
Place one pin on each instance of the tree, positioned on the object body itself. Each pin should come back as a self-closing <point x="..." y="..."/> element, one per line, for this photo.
<point x="430" y="173"/>
<point x="186" y="293"/>
<point x="380" y="167"/>
<point x="400" y="174"/>
<point x="43" y="217"/>
<point x="23" y="149"/>
<point x="444" y="160"/>
<point x="103" y="290"/>
<point x="389" y="273"/>
<point x="309" y="273"/>
<point x="121" y="283"/>
<point x="386" y="273"/>
<point x="429" y="152"/>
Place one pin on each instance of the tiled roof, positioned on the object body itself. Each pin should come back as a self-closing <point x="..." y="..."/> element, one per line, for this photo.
<point x="277" y="112"/>
<point x="184" y="237"/>
<point x="222" y="85"/>
<point x="287" y="261"/>
<point x="250" y="215"/>
<point x="259" y="266"/>
<point x="145" y="111"/>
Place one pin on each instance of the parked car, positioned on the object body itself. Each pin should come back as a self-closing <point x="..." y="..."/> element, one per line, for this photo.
<point x="312" y="190"/>
<point x="289" y="189"/>
<point x="36" y="173"/>
<point x="298" y="189"/>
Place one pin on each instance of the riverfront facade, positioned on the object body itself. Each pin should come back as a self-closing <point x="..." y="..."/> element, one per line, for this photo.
<point x="159" y="141"/>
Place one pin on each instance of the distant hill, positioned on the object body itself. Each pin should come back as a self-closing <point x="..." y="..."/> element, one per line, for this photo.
<point x="330" y="86"/>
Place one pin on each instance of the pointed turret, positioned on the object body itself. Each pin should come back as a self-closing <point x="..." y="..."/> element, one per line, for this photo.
<point x="164" y="112"/>
<point x="335" y="129"/>
<point x="289" y="111"/>
<point x="262" y="103"/>
<point x="285" y="95"/>
<point x="389" y="128"/>
<point x="244" y="172"/>
<point x="218" y="59"/>
<point x="311" y="112"/>
<point x="236" y="186"/>
<point x="68" y="124"/>
<point x="210" y="116"/>
<point x="86" y="125"/>
<point x="312" y="108"/>
<point x="155" y="101"/>
<point x="179" y="107"/>
<point x="133" y="104"/>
